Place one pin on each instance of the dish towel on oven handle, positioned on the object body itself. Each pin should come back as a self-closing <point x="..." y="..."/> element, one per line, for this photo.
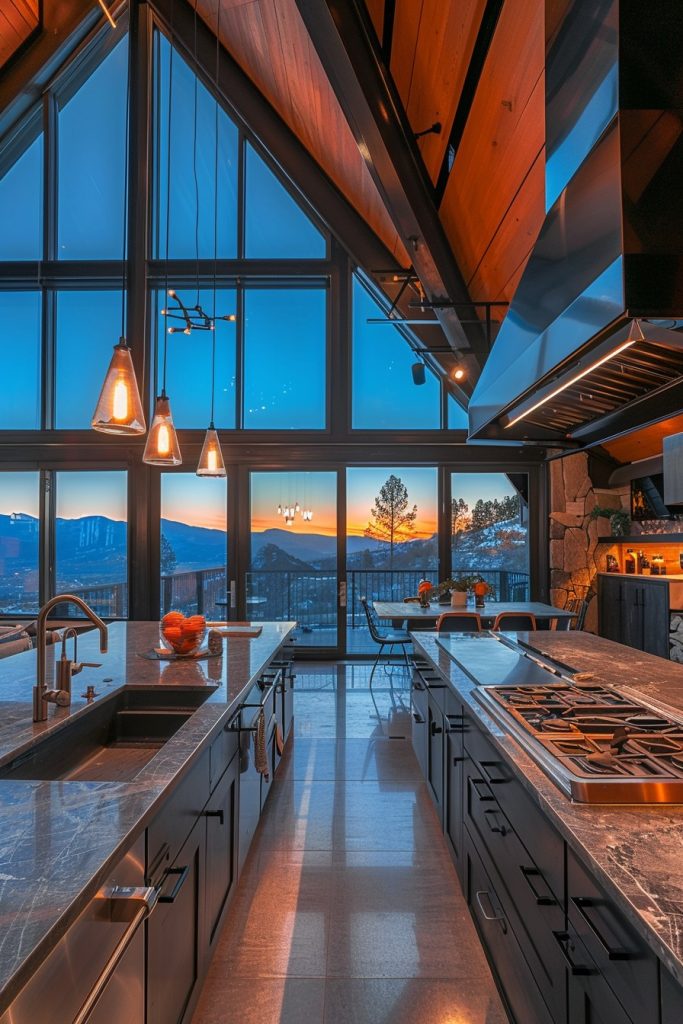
<point x="260" y="747"/>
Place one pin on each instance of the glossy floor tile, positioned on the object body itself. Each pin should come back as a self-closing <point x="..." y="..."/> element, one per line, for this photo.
<point x="348" y="910"/>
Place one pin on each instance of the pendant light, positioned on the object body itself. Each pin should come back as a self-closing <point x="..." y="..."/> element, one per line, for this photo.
<point x="162" y="448"/>
<point x="211" y="460"/>
<point x="119" y="407"/>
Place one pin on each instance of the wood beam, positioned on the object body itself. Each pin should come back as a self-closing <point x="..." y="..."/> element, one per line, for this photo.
<point x="344" y="40"/>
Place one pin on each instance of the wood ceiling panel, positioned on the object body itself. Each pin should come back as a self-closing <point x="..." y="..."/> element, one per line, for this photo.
<point x="432" y="45"/>
<point x="376" y="12"/>
<point x="501" y="266"/>
<point x="18" y="19"/>
<point x="270" y="43"/>
<point x="645" y="443"/>
<point x="490" y="182"/>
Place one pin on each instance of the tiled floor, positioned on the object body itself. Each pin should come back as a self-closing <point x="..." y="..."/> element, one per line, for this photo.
<point x="348" y="911"/>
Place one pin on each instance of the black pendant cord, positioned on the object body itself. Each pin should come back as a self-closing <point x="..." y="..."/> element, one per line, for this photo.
<point x="168" y="193"/>
<point x="215" y="217"/>
<point x="194" y="158"/>
<point x="126" y="173"/>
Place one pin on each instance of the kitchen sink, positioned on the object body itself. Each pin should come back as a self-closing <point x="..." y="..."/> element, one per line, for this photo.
<point x="112" y="741"/>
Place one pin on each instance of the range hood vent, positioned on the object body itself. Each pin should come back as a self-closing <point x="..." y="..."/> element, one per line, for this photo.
<point x="610" y="251"/>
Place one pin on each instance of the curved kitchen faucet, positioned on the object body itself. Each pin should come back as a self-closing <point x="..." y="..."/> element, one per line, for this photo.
<point x="42" y="696"/>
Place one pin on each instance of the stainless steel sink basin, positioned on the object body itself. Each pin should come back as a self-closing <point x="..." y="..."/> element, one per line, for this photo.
<point x="112" y="741"/>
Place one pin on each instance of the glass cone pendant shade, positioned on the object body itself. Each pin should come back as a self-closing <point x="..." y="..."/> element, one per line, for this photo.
<point x="119" y="409"/>
<point x="162" y="448"/>
<point x="211" y="460"/>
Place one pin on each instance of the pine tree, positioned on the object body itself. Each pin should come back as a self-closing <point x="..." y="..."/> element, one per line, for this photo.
<point x="391" y="521"/>
<point x="461" y="520"/>
<point x="168" y="557"/>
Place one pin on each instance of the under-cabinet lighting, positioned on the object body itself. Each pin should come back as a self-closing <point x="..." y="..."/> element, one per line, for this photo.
<point x="635" y="334"/>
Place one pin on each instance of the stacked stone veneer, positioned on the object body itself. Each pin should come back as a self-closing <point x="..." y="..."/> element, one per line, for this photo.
<point x="575" y="555"/>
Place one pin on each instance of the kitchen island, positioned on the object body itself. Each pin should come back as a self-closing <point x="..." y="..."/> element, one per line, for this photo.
<point x="538" y="869"/>
<point x="61" y="840"/>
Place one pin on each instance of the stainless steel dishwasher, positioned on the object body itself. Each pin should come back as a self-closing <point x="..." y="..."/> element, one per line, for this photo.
<point x="96" y="972"/>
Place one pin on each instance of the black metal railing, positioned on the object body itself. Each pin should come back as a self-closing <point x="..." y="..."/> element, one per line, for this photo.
<point x="307" y="596"/>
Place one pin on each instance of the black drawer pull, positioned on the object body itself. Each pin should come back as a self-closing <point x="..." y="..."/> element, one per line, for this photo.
<point x="457" y="760"/>
<point x="486" y="795"/>
<point x="533" y="873"/>
<point x="417" y="685"/>
<point x="566" y="945"/>
<point x="479" y="894"/>
<point x="436" y="729"/>
<point x="419" y="720"/>
<point x="584" y="905"/>
<point x="491" y="779"/>
<point x="215" y="814"/>
<point x="456" y="723"/>
<point x="182" y="874"/>
<point x="489" y="816"/>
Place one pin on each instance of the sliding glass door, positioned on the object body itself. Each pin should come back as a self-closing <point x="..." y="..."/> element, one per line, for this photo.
<point x="293" y="561"/>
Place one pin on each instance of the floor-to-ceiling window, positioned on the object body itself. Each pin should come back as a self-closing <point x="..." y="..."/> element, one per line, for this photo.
<point x="293" y="558"/>
<point x="391" y="539"/>
<point x="194" y="545"/>
<point x="19" y="543"/>
<point x="489" y="520"/>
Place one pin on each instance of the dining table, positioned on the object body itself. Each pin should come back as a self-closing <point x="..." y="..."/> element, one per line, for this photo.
<point x="398" y="611"/>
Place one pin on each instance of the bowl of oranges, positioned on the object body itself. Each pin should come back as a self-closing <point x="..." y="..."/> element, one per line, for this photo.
<point x="184" y="636"/>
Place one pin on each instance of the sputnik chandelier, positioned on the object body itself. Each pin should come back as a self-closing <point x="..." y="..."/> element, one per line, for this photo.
<point x="193" y="318"/>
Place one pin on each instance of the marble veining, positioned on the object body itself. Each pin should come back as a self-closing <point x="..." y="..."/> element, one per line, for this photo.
<point x="59" y="840"/>
<point x="634" y="851"/>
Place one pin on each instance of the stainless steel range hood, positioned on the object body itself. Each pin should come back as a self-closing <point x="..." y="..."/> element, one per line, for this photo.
<point x="565" y="366"/>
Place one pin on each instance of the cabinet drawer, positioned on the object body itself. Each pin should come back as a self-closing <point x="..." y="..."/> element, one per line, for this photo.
<point x="672" y="998"/>
<point x="529" y="903"/>
<point x="223" y="749"/>
<point x="590" y="1000"/>
<point x="542" y="842"/>
<point x="499" y="940"/>
<point x="618" y="951"/>
<point x="173" y="823"/>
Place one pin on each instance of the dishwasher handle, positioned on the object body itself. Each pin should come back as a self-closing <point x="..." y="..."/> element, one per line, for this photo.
<point x="147" y="898"/>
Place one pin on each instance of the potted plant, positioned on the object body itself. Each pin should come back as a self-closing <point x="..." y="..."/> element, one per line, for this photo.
<point x="619" y="519"/>
<point x="458" y="589"/>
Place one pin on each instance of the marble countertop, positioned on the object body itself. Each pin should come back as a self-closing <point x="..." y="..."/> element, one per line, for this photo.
<point x="634" y="850"/>
<point x="59" y="840"/>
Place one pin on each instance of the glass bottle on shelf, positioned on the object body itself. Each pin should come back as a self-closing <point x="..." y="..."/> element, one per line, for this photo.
<point x="630" y="562"/>
<point x="658" y="566"/>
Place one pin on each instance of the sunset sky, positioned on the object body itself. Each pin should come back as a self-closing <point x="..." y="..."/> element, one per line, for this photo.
<point x="187" y="498"/>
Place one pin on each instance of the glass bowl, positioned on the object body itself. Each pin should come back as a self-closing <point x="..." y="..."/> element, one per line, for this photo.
<point x="183" y="641"/>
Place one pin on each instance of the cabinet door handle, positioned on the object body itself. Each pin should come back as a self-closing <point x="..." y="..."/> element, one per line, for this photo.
<point x="491" y="779"/>
<point x="436" y="729"/>
<point x="215" y="814"/>
<point x="486" y="795"/>
<point x="419" y="720"/>
<point x="479" y="894"/>
<point x="182" y="874"/>
<point x="529" y="875"/>
<point x="417" y="685"/>
<point x="566" y="945"/>
<point x="489" y="817"/>
<point x="584" y="904"/>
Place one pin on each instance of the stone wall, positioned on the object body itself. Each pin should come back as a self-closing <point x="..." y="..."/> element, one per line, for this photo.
<point x="575" y="555"/>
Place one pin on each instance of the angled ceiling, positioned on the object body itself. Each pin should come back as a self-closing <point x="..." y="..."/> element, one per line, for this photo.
<point x="18" y="19"/>
<point x="475" y="67"/>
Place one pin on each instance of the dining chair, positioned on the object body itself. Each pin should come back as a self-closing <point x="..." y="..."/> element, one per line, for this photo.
<point x="579" y="607"/>
<point x="459" y="622"/>
<point x="515" y="620"/>
<point x="385" y="637"/>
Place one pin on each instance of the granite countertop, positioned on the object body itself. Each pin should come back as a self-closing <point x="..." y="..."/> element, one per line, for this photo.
<point x="634" y="850"/>
<point x="59" y="840"/>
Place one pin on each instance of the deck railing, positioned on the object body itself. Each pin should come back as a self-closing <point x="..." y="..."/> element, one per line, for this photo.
<point x="307" y="595"/>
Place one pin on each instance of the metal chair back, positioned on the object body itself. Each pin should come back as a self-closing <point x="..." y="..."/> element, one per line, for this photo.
<point x="373" y="620"/>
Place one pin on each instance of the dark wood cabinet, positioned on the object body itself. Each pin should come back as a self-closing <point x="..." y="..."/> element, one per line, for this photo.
<point x="672" y="998"/>
<point x="175" y="934"/>
<point x="419" y="726"/>
<point x="635" y="611"/>
<point x="221" y="851"/>
<point x="435" y="753"/>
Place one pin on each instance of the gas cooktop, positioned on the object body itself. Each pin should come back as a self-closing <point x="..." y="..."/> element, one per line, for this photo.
<point x="598" y="744"/>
